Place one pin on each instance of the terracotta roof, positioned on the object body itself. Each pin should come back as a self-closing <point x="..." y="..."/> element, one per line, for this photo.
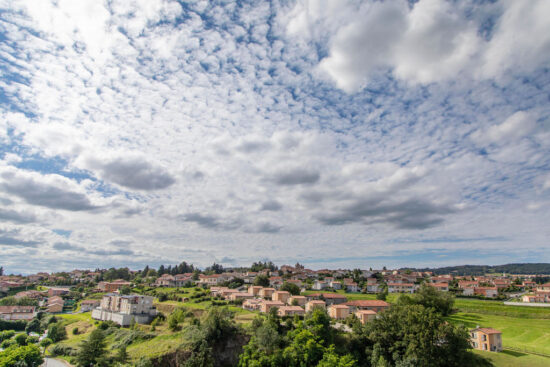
<point x="340" y="306"/>
<point x="368" y="303"/>
<point x="488" y="330"/>
<point x="366" y="312"/>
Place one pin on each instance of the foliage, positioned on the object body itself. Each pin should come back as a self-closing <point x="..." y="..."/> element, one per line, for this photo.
<point x="32" y="339"/>
<point x="430" y="297"/>
<point x="7" y="334"/>
<point x="412" y="335"/>
<point x="92" y="350"/>
<point x="122" y="355"/>
<point x="175" y="318"/>
<point x="258" y="266"/>
<point x="23" y="301"/>
<point x="57" y="332"/>
<point x="201" y="356"/>
<point x="261" y="280"/>
<point x="214" y="268"/>
<point x="61" y="350"/>
<point x="21" y="339"/>
<point x="291" y="288"/>
<point x="33" y="326"/>
<point x="46" y="342"/>
<point x="383" y="294"/>
<point x="21" y="356"/>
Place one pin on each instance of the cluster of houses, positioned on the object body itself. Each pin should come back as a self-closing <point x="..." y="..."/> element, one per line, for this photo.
<point x="541" y="294"/>
<point x="263" y="299"/>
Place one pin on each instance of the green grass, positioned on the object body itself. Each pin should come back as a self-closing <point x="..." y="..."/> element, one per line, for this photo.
<point x="514" y="359"/>
<point x="529" y="334"/>
<point x="499" y="308"/>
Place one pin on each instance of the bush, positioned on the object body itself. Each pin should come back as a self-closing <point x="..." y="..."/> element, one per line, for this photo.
<point x="18" y="325"/>
<point x="75" y="331"/>
<point x="57" y="332"/>
<point x="21" y="339"/>
<point x="5" y="335"/>
<point x="32" y="340"/>
<point x="61" y="350"/>
<point x="7" y="343"/>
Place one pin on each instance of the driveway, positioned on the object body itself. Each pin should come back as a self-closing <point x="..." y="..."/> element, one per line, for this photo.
<point x="50" y="362"/>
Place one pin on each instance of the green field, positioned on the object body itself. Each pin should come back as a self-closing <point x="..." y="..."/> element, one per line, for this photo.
<point x="514" y="359"/>
<point x="529" y="334"/>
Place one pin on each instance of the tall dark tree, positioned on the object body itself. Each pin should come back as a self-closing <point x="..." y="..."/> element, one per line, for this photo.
<point x="1" y="270"/>
<point x="92" y="350"/>
<point x="161" y="270"/>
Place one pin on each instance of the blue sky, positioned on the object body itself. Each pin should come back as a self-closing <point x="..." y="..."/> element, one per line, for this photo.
<point x="337" y="134"/>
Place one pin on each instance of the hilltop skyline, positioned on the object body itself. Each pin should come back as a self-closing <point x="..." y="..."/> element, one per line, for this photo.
<point x="333" y="134"/>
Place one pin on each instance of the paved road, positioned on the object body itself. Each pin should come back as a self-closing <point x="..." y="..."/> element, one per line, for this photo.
<point x="49" y="362"/>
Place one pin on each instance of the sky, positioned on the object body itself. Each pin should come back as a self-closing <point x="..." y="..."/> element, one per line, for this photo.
<point x="333" y="133"/>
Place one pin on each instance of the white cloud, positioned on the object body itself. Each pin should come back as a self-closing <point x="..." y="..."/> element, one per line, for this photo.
<point x="202" y="134"/>
<point x="430" y="41"/>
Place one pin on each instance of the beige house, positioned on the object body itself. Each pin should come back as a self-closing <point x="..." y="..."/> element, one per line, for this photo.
<point x="290" y="311"/>
<point x="311" y="305"/>
<point x="266" y="292"/>
<point x="254" y="290"/>
<point x="375" y="305"/>
<point x="55" y="307"/>
<point x="365" y="315"/>
<point x="252" y="304"/>
<point x="265" y="306"/>
<point x="338" y="312"/>
<point x="487" y="339"/>
<point x="17" y="312"/>
<point x="297" y="300"/>
<point x="281" y="296"/>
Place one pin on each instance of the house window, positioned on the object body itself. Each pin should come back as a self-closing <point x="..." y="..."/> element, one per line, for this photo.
<point x="484" y="338"/>
<point x="484" y="346"/>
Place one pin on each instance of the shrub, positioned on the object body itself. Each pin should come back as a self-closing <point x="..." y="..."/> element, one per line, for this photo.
<point x="75" y="331"/>
<point x="5" y="335"/>
<point x="7" y="343"/>
<point x="61" y="350"/>
<point x="32" y="339"/>
<point x="21" y="339"/>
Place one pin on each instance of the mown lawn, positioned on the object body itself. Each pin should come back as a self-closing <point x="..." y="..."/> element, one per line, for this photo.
<point x="499" y="308"/>
<point x="514" y="359"/>
<point x="530" y="334"/>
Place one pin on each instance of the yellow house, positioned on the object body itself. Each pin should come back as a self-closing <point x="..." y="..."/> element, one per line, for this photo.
<point x="365" y="315"/>
<point x="315" y="303"/>
<point x="338" y="312"/>
<point x="487" y="339"/>
<point x="281" y="296"/>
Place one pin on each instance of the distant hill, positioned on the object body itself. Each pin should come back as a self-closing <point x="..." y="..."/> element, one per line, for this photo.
<point x="536" y="268"/>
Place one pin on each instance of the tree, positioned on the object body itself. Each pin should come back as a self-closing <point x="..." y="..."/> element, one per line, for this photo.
<point x="21" y="339"/>
<point x="57" y="332"/>
<point x="45" y="343"/>
<point x="122" y="355"/>
<point x="1" y="270"/>
<point x="412" y="335"/>
<point x="21" y="356"/>
<point x="33" y="326"/>
<point x="430" y="297"/>
<point x="291" y="288"/>
<point x="261" y="280"/>
<point x="125" y="290"/>
<point x="383" y="294"/>
<point x="92" y="350"/>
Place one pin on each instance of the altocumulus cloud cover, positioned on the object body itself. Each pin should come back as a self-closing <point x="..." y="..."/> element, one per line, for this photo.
<point x="332" y="133"/>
